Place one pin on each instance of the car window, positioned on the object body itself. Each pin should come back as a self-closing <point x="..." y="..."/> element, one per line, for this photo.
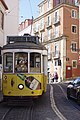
<point x="77" y="81"/>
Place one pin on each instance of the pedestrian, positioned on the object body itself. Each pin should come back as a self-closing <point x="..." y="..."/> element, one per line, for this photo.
<point x="56" y="77"/>
<point x="53" y="78"/>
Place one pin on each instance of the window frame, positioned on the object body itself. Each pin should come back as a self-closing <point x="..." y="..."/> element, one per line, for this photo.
<point x="74" y="32"/>
<point x="1" y="20"/>
<point x="74" y="48"/>
<point x="37" y="62"/>
<point x="74" y="14"/>
<point x="5" y="62"/>
<point x="73" y="63"/>
<point x="24" y="65"/>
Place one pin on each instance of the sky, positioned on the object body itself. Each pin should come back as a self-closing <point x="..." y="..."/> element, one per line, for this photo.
<point x="28" y="8"/>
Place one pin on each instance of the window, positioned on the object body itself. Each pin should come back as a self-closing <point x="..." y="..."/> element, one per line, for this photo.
<point x="49" y="20"/>
<point x="21" y="62"/>
<point x="1" y="19"/>
<point x="57" y="2"/>
<point x="0" y="58"/>
<point x="56" y="50"/>
<point x="37" y="27"/>
<point x="74" y="63"/>
<point x="55" y="16"/>
<point x="56" y="62"/>
<point x="42" y="24"/>
<point x="49" y="52"/>
<point x="74" y="14"/>
<point x="77" y="81"/>
<point x="8" y="62"/>
<point x="41" y="9"/>
<point x="74" y="28"/>
<point x="74" y="47"/>
<point x="35" y="60"/>
<point x="49" y="33"/>
<point x="42" y="36"/>
<point x="56" y="31"/>
<point x="48" y="3"/>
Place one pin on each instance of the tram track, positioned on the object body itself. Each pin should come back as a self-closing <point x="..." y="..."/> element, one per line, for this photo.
<point x="6" y="113"/>
<point x="18" y="112"/>
<point x="29" y="113"/>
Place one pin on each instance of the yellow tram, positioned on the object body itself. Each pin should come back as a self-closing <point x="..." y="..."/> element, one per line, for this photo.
<point x="24" y="61"/>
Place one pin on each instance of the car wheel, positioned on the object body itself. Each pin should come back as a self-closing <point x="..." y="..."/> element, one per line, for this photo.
<point x="68" y="94"/>
<point x="78" y="98"/>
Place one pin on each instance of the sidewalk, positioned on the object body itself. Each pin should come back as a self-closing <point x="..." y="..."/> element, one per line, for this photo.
<point x="60" y="82"/>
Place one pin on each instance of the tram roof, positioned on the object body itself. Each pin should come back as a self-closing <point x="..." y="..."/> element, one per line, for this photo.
<point x="23" y="42"/>
<point x="25" y="38"/>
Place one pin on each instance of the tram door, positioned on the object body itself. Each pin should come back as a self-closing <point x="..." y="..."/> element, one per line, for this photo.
<point x="68" y="71"/>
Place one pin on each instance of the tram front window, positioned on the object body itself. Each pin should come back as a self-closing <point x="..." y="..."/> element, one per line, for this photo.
<point x="21" y="62"/>
<point x="8" y="62"/>
<point x="35" y="60"/>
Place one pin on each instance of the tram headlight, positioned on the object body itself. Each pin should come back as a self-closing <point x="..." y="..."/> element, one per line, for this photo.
<point x="20" y="86"/>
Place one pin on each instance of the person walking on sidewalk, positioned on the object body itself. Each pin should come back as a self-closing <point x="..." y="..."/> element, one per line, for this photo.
<point x="53" y="78"/>
<point x="56" y="77"/>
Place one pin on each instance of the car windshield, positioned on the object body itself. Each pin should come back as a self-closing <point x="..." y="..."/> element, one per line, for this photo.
<point x="76" y="81"/>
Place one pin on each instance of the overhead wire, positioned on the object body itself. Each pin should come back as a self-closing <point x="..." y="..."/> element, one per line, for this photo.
<point x="31" y="7"/>
<point x="32" y="15"/>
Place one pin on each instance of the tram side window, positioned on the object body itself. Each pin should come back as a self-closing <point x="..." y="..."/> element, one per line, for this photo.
<point x="8" y="62"/>
<point x="0" y="58"/>
<point x="21" y="62"/>
<point x="35" y="62"/>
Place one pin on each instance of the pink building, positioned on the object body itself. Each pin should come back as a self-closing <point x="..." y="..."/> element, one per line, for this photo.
<point x="25" y="24"/>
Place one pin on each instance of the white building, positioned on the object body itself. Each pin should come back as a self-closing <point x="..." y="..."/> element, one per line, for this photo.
<point x="26" y="31"/>
<point x="3" y="8"/>
<point x="9" y="22"/>
<point x="11" y="19"/>
<point x="26" y="27"/>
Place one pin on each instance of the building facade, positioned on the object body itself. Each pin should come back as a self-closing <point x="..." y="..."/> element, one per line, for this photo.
<point x="58" y="29"/>
<point x="26" y="27"/>
<point x="9" y="22"/>
<point x="11" y="18"/>
<point x="3" y="8"/>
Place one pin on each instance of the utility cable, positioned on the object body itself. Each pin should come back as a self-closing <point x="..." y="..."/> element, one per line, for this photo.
<point x="31" y="8"/>
<point x="32" y="16"/>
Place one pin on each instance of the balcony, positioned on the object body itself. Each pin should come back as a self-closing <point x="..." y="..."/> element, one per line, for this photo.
<point x="56" y="55"/>
<point x="56" y="20"/>
<point x="50" y="37"/>
<point x="49" y="56"/>
<point x="35" y="29"/>
<point x="42" y="27"/>
<point x="48" y="25"/>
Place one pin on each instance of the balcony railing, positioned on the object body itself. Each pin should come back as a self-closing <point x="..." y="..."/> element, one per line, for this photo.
<point x="42" y="27"/>
<point x="49" y="56"/>
<point x="56" y="20"/>
<point x="52" y="36"/>
<point x="36" y="29"/>
<point x="48" y="24"/>
<point x="56" y="54"/>
<point x="47" y="38"/>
